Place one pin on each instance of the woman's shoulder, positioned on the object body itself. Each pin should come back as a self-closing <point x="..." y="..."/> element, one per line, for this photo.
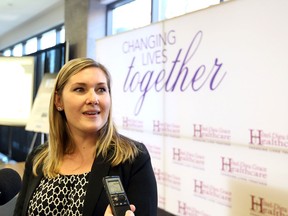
<point x="36" y="150"/>
<point x="142" y="156"/>
<point x="139" y="144"/>
<point x="141" y="163"/>
<point x="39" y="148"/>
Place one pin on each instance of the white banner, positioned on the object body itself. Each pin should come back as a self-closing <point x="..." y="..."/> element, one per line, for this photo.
<point x="39" y="116"/>
<point x="207" y="94"/>
<point x="16" y="89"/>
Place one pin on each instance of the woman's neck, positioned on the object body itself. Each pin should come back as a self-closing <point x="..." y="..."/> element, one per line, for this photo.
<point x="81" y="158"/>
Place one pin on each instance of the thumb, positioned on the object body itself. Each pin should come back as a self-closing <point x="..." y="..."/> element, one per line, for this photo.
<point x="129" y="213"/>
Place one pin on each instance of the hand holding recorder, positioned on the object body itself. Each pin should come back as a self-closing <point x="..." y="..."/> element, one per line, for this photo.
<point x="119" y="203"/>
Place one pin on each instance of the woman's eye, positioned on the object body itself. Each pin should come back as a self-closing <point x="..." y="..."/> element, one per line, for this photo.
<point x="102" y="90"/>
<point x="78" y="89"/>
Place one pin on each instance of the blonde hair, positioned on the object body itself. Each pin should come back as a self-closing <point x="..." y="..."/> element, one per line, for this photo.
<point x="60" y="138"/>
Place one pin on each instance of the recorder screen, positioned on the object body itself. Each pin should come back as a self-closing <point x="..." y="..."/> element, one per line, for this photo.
<point x="114" y="187"/>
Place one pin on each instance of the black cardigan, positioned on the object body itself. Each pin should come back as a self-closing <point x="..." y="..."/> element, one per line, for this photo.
<point x="137" y="177"/>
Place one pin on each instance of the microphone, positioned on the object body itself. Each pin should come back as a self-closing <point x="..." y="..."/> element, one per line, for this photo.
<point x="10" y="185"/>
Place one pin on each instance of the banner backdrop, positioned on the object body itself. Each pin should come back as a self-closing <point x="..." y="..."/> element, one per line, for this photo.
<point x="207" y="94"/>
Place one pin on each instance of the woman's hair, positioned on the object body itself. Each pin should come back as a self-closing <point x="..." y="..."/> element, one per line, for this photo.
<point x="60" y="137"/>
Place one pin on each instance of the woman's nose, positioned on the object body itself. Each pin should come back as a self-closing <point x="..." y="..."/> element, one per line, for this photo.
<point x="92" y="98"/>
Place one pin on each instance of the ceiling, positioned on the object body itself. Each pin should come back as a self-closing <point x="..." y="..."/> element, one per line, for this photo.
<point x="13" y="13"/>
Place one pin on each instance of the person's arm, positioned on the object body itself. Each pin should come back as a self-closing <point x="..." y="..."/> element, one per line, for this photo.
<point x="142" y="188"/>
<point x="25" y="182"/>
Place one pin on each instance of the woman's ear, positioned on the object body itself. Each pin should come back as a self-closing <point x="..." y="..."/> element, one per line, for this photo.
<point x="58" y="102"/>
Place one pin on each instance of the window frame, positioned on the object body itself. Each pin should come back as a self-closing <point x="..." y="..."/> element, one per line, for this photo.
<point x="154" y="13"/>
<point x="109" y="9"/>
<point x="58" y="28"/>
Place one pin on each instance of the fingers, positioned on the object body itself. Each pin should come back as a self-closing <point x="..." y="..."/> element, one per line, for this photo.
<point x="108" y="211"/>
<point x="130" y="212"/>
<point x="133" y="208"/>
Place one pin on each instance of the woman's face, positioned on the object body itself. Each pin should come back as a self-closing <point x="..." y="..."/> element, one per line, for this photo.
<point x="86" y="101"/>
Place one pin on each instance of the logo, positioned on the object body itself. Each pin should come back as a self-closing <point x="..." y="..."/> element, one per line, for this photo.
<point x="188" y="159"/>
<point x="168" y="180"/>
<point x="155" y="151"/>
<point x="212" y="193"/>
<point x="185" y="209"/>
<point x="211" y="134"/>
<point x="263" y="140"/>
<point x="261" y="207"/>
<point x="165" y="129"/>
<point x="243" y="170"/>
<point x="132" y="124"/>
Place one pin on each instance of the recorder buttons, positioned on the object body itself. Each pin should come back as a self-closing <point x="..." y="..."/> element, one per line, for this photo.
<point x="119" y="200"/>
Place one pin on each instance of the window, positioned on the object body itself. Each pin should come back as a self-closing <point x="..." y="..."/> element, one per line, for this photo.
<point x="7" y="52"/>
<point x="128" y="15"/>
<point x="121" y="14"/>
<point x="39" y="42"/>
<point x="62" y="35"/>
<point x="18" y="50"/>
<point x="48" y="39"/>
<point x="31" y="46"/>
<point x="171" y="8"/>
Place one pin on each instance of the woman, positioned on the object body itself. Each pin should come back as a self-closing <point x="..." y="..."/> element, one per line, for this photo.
<point x="64" y="175"/>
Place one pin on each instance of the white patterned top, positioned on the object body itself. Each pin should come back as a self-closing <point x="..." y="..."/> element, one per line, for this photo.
<point x="62" y="195"/>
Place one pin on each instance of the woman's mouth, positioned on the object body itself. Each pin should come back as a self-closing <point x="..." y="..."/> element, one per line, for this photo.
<point x="91" y="112"/>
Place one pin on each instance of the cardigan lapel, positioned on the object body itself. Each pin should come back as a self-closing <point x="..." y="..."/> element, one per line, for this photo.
<point x="33" y="183"/>
<point x="100" y="168"/>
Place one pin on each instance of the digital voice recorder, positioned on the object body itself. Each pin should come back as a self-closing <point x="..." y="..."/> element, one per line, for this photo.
<point x="117" y="197"/>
